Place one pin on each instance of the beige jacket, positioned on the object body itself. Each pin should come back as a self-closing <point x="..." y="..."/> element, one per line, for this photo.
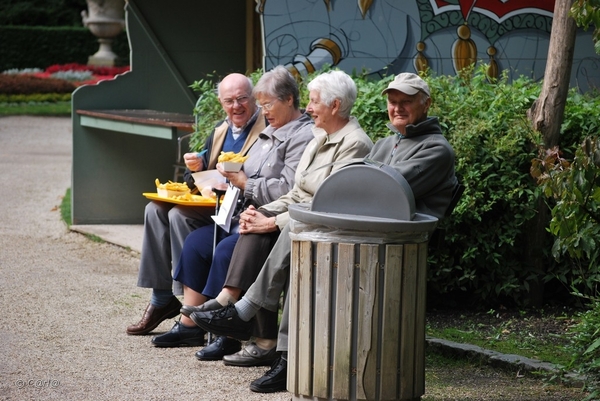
<point x="350" y="142"/>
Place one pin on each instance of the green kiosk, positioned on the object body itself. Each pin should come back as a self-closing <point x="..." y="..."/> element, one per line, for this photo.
<point x="125" y="130"/>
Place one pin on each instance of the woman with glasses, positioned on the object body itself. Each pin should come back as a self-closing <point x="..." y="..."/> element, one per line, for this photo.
<point x="267" y="174"/>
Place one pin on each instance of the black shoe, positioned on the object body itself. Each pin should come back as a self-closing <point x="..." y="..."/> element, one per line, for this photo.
<point x="274" y="380"/>
<point x="224" y="322"/>
<point x="180" y="336"/>
<point x="216" y="350"/>
<point x="211" y="304"/>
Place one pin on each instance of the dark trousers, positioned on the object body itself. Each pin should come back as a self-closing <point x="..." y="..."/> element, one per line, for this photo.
<point x="249" y="255"/>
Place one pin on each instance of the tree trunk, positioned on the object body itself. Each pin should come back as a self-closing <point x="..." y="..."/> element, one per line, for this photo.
<point x="546" y="113"/>
<point x="534" y="257"/>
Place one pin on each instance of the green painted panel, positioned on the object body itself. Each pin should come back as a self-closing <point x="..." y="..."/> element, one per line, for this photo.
<point x="128" y="128"/>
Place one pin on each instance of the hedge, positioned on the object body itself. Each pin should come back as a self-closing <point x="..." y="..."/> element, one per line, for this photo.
<point x="46" y="46"/>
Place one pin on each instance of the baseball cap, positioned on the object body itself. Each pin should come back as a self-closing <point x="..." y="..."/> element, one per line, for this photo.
<point x="408" y="83"/>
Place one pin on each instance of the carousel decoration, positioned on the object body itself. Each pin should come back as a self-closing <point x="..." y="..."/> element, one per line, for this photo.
<point x="492" y="18"/>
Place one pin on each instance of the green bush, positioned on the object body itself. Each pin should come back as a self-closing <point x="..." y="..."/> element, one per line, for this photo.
<point x="581" y="119"/>
<point x="485" y="238"/>
<point x="482" y="256"/>
<point x="52" y="45"/>
<point x="208" y="112"/>
<point x="42" y="12"/>
<point x="585" y="348"/>
<point x="573" y="190"/>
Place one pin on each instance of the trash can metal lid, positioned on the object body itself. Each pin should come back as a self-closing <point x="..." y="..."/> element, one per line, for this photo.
<point x="366" y="190"/>
<point x="420" y="223"/>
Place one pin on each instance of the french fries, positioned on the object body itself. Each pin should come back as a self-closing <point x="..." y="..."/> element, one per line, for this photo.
<point x="172" y="186"/>
<point x="171" y="189"/>
<point x="231" y="157"/>
<point x="187" y="197"/>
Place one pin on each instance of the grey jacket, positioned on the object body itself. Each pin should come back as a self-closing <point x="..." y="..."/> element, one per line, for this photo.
<point x="426" y="159"/>
<point x="273" y="159"/>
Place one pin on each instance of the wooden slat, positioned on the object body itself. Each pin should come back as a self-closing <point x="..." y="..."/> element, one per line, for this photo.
<point x="305" y="313"/>
<point x="343" y="323"/>
<point x="421" y="285"/>
<point x="368" y="331"/>
<point x="392" y="293"/>
<point x="295" y="258"/>
<point x="322" y="329"/>
<point x="321" y="356"/>
<point x="407" y="328"/>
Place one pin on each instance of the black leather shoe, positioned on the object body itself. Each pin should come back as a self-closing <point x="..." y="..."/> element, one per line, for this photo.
<point x="274" y="380"/>
<point x="224" y="322"/>
<point x="211" y="304"/>
<point x="219" y="348"/>
<point x="180" y="336"/>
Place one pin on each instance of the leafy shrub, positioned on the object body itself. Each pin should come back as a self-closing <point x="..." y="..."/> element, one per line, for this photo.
<point x="42" y="12"/>
<point x="76" y="45"/>
<point x="573" y="190"/>
<point x="482" y="256"/>
<point x="27" y="84"/>
<point x="208" y="112"/>
<point x="585" y="348"/>
<point x="581" y="119"/>
<point x="486" y="237"/>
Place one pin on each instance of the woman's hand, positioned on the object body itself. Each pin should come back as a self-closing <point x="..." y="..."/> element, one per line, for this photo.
<point x="238" y="179"/>
<point x="254" y="222"/>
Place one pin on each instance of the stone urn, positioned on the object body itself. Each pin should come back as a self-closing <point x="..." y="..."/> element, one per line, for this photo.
<point x="105" y="19"/>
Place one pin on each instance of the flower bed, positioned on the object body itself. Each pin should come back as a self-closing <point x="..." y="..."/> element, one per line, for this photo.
<point x="21" y="85"/>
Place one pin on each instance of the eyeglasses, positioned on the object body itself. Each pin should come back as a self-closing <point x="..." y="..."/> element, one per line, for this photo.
<point x="241" y="100"/>
<point x="268" y="106"/>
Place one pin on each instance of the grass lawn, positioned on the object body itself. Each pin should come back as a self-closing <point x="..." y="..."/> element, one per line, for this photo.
<point x="36" y="109"/>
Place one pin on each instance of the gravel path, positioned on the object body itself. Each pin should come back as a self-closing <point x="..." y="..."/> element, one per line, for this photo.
<point x="67" y="300"/>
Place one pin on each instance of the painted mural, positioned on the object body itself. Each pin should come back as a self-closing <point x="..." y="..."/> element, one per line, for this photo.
<point x="382" y="37"/>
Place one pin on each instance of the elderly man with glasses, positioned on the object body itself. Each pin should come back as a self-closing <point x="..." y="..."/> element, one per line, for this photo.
<point x="166" y="225"/>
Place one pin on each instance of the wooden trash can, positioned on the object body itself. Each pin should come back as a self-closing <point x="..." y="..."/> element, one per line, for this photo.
<point x="357" y="297"/>
<point x="357" y="321"/>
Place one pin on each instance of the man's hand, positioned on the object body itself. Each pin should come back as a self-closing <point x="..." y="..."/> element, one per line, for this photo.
<point x="193" y="162"/>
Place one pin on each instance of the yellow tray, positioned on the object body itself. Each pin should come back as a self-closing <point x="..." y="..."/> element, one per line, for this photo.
<point x="197" y="200"/>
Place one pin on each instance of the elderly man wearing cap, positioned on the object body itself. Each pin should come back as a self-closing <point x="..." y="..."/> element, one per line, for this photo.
<point x="418" y="151"/>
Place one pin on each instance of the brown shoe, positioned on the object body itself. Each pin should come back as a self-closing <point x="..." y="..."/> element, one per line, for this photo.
<point x="154" y="316"/>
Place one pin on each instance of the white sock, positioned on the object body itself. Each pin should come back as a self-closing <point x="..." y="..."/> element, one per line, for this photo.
<point x="246" y="309"/>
